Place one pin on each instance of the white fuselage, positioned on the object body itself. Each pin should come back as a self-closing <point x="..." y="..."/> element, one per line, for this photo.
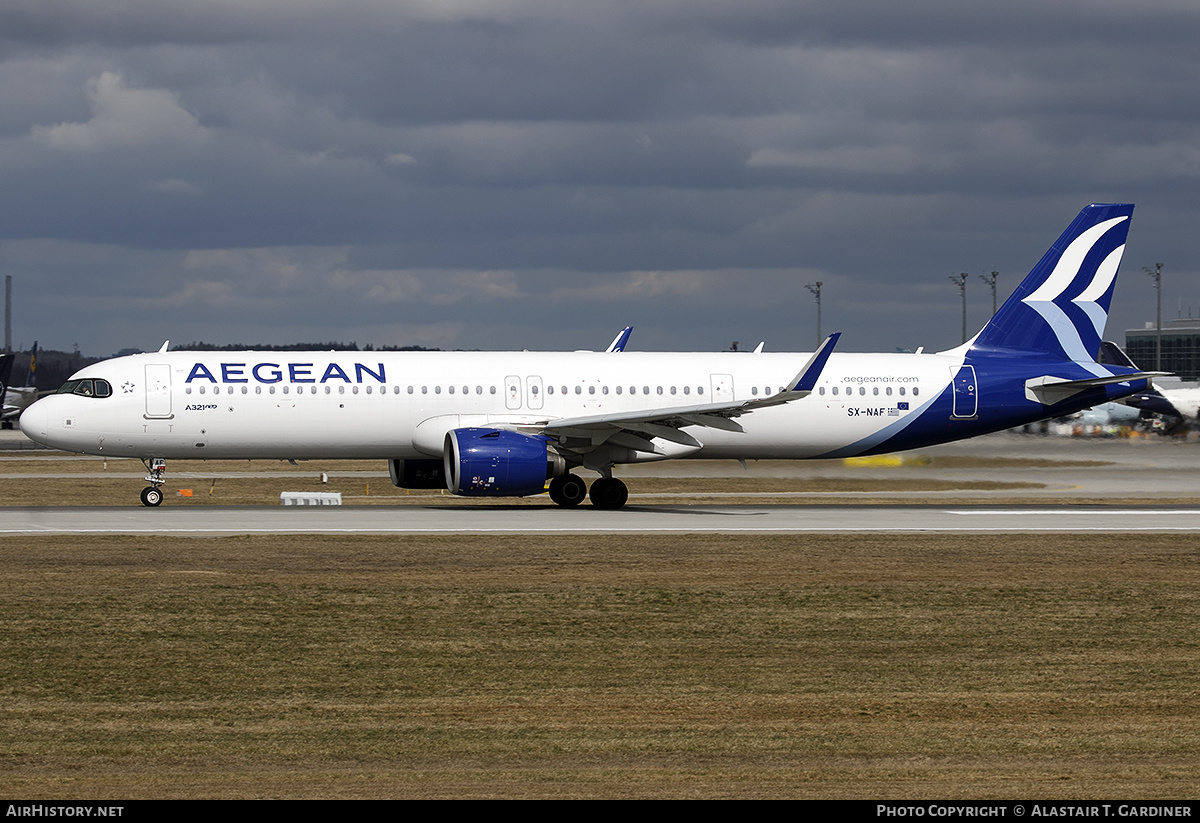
<point x="303" y="405"/>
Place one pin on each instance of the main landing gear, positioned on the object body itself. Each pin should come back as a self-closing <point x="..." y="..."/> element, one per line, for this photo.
<point x="568" y="491"/>
<point x="152" y="495"/>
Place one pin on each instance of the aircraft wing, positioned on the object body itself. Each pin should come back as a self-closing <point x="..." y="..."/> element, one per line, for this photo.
<point x="667" y="423"/>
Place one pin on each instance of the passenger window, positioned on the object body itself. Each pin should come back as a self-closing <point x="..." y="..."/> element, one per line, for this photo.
<point x="578" y="390"/>
<point x="916" y="391"/>
<point x="821" y="391"/>
<point x="901" y="391"/>
<point x="85" y="387"/>
<point x="187" y="390"/>
<point x="246" y="389"/>
<point x="437" y="389"/>
<point x="699" y="390"/>
<point x="888" y="391"/>
<point x="875" y="391"/>
<point x="618" y="389"/>
<point x="451" y="390"/>
<point x="687" y="389"/>
<point x="591" y="389"/>
<point x="660" y="389"/>
<point x="835" y="391"/>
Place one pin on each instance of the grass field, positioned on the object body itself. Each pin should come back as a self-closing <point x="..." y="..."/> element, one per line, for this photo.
<point x="928" y="666"/>
<point x="55" y="479"/>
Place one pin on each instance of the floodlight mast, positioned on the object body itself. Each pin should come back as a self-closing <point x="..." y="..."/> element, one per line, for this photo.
<point x="815" y="288"/>
<point x="960" y="280"/>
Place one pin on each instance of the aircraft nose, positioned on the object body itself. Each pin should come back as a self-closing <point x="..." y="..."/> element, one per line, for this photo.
<point x="35" y="421"/>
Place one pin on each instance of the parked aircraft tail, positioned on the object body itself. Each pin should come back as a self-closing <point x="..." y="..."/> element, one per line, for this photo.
<point x="1060" y="309"/>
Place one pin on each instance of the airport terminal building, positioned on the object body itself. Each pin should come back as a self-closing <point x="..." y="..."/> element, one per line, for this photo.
<point x="1180" y="347"/>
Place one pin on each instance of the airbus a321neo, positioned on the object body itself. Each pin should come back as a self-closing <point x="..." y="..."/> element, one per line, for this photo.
<point x="505" y="423"/>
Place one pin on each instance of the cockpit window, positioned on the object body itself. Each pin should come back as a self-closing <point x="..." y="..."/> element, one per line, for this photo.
<point x="86" y="388"/>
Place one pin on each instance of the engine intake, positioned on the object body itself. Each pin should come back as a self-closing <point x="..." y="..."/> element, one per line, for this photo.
<point x="498" y="463"/>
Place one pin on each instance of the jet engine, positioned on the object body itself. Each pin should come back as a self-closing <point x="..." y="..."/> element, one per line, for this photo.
<point x="498" y="463"/>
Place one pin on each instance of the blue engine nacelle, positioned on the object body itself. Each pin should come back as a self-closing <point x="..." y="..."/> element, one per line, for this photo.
<point x="498" y="463"/>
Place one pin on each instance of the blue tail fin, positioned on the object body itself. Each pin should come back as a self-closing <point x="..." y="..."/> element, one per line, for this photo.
<point x="1062" y="305"/>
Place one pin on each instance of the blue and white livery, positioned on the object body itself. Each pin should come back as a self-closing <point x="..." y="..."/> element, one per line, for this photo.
<point x="515" y="423"/>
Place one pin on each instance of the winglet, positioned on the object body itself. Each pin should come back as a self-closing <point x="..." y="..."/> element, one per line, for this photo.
<point x="618" y="343"/>
<point x="806" y="381"/>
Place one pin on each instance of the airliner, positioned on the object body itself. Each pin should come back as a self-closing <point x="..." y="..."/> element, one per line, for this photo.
<point x="1178" y="402"/>
<point x="15" y="399"/>
<point x="494" y="424"/>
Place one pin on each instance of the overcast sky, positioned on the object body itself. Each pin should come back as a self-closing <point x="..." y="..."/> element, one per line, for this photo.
<point x="506" y="174"/>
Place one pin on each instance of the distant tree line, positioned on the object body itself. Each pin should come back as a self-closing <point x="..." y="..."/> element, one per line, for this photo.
<point x="52" y="367"/>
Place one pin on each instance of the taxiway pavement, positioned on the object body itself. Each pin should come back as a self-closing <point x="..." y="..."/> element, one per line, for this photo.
<point x="221" y="521"/>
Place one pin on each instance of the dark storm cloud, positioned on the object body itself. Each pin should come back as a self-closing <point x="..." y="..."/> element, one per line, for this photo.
<point x="518" y="173"/>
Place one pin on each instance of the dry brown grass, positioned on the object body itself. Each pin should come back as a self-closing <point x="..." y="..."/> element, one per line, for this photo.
<point x="667" y="666"/>
<point x="94" y="481"/>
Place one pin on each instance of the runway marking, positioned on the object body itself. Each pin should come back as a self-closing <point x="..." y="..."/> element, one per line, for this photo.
<point x="1085" y="512"/>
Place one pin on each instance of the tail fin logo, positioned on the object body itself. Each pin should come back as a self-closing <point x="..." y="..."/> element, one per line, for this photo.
<point x="1044" y="298"/>
<point x="1059" y="310"/>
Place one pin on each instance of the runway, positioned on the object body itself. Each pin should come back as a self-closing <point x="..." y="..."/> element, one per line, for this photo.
<point x="213" y="521"/>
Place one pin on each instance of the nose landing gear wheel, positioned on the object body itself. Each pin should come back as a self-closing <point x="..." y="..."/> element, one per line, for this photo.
<point x="151" y="496"/>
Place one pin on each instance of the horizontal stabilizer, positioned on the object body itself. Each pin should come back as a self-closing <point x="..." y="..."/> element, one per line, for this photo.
<point x="1049" y="390"/>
